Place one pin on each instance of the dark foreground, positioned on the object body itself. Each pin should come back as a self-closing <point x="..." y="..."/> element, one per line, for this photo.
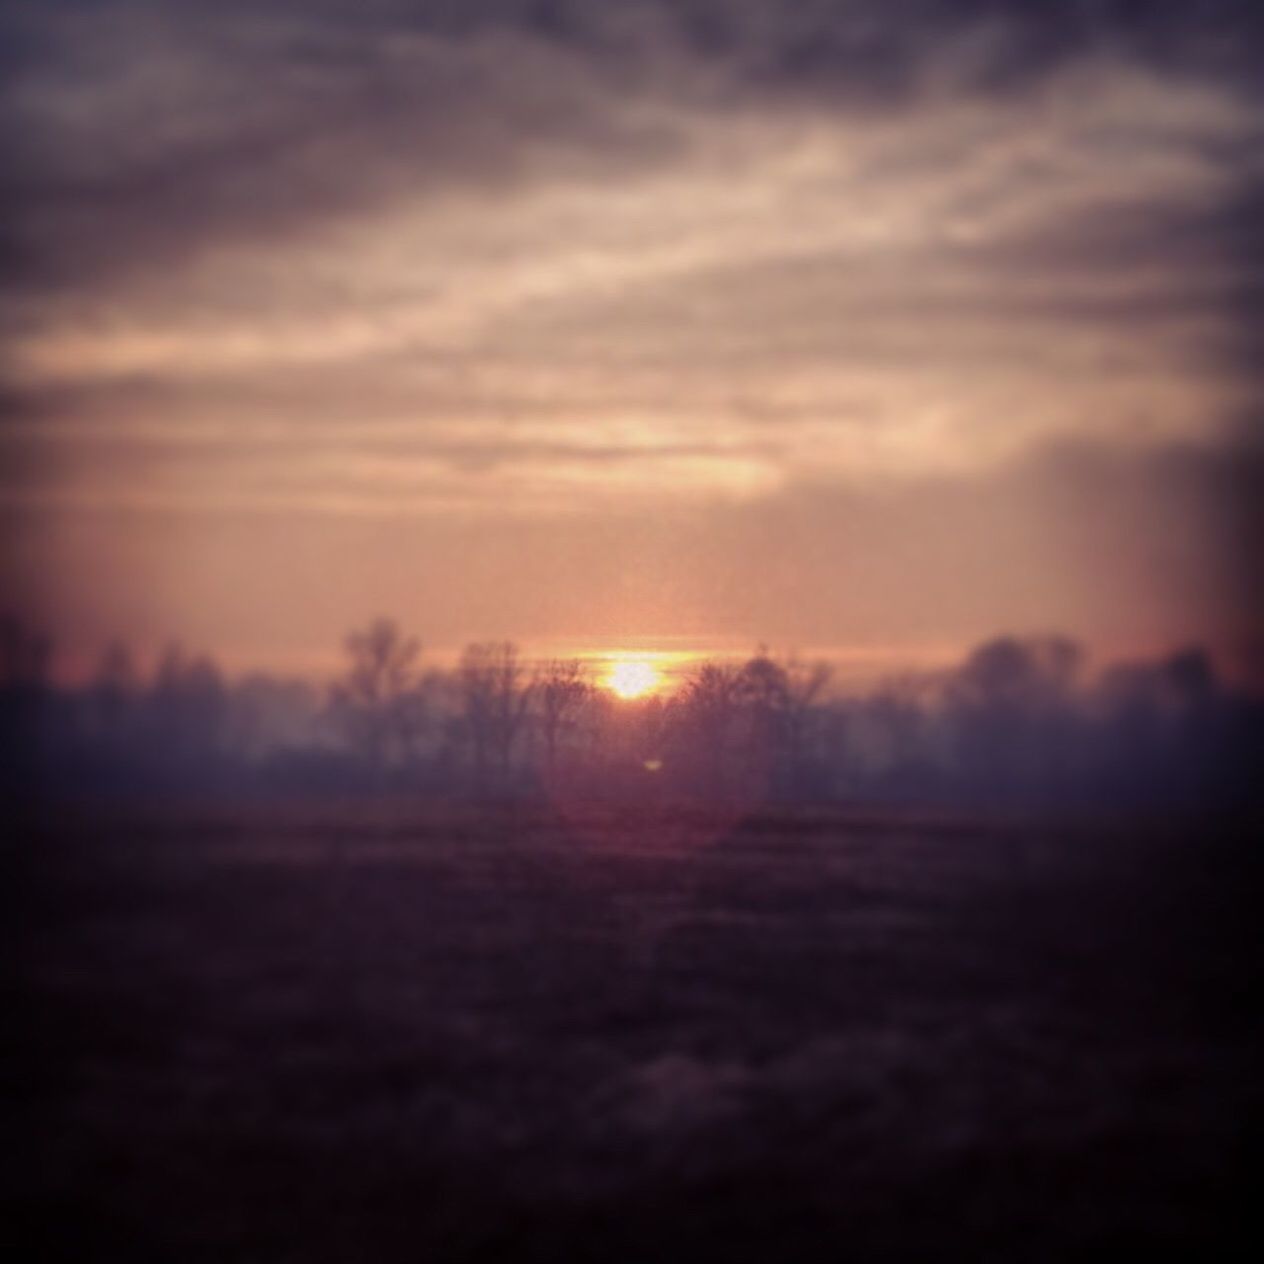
<point x="425" y="1035"/>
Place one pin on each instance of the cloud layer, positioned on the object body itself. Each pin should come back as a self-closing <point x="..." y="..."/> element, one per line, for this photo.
<point x="520" y="262"/>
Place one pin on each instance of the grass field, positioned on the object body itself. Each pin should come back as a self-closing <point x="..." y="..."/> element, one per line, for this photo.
<point x="421" y="1034"/>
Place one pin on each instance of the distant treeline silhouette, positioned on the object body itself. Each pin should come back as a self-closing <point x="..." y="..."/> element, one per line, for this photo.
<point x="1018" y="722"/>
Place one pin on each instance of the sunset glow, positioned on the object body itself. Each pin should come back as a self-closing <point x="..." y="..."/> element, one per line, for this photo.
<point x="638" y="626"/>
<point x="632" y="678"/>
<point x="461" y="313"/>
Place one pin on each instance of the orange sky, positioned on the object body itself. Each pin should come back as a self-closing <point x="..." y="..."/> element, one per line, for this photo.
<point x="613" y="341"/>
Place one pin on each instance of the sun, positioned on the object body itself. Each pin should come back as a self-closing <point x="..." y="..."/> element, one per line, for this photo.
<point x="632" y="678"/>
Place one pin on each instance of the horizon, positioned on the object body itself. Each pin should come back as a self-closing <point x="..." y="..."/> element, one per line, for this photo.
<point x="852" y="669"/>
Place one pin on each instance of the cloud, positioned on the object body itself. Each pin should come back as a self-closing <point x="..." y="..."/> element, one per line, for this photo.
<point x="517" y="266"/>
<point x="937" y="288"/>
<point x="141" y="132"/>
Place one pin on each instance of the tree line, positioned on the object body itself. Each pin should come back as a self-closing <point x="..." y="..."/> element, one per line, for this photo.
<point x="1018" y="721"/>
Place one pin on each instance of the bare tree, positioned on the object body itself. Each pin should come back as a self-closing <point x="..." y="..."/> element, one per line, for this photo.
<point x="777" y="699"/>
<point x="763" y="685"/>
<point x="708" y="706"/>
<point x="376" y="702"/>
<point x="763" y="692"/>
<point x="805" y="683"/>
<point x="563" y="686"/>
<point x="495" y="702"/>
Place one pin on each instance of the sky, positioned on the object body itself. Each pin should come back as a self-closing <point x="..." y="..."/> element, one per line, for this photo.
<point x="868" y="327"/>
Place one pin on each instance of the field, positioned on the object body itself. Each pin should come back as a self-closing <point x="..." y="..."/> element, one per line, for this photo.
<point x="419" y="1034"/>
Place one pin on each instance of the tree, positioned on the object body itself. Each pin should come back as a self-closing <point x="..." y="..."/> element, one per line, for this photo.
<point x="563" y="687"/>
<point x="764" y="695"/>
<point x="763" y="687"/>
<point x="494" y="701"/>
<point x="376" y="703"/>
<point x="114" y="692"/>
<point x="1009" y="705"/>
<point x="805" y="685"/>
<point x="186" y="709"/>
<point x="777" y="699"/>
<point x="707" y="707"/>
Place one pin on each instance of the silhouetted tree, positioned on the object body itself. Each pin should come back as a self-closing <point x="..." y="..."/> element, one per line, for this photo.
<point x="778" y="699"/>
<point x="562" y="688"/>
<point x="897" y="717"/>
<point x="1167" y="723"/>
<point x="1008" y="706"/>
<point x="763" y="695"/>
<point x="495" y="702"/>
<point x="114" y="693"/>
<point x="376" y="704"/>
<point x="707" y="709"/>
<point x="805" y="686"/>
<point x="185" y="709"/>
<point x="1016" y="722"/>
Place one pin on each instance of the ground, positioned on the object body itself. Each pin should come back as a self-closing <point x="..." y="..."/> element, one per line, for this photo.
<point x="401" y="1032"/>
